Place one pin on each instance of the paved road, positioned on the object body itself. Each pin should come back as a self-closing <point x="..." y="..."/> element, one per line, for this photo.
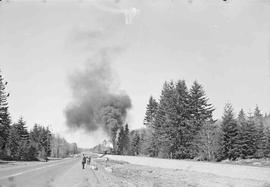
<point x="68" y="172"/>
<point x="63" y="173"/>
<point x="40" y="174"/>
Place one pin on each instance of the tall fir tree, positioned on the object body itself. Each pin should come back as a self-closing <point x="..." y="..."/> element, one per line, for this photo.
<point x="126" y="140"/>
<point x="247" y="136"/>
<point x="150" y="113"/>
<point x="200" y="111"/>
<point x="230" y="140"/>
<point x="243" y="139"/>
<point x="24" y="141"/>
<point x="47" y="138"/>
<point x="40" y="138"/>
<point x="135" y="144"/>
<point x="153" y="147"/>
<point x="22" y="130"/>
<point x="260" y="137"/>
<point x="166" y="120"/>
<point x="199" y="108"/>
<point x="13" y="143"/>
<point x="5" y="120"/>
<point x="121" y="141"/>
<point x="183" y="136"/>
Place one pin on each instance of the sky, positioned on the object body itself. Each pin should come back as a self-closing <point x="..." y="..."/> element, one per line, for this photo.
<point x="225" y="46"/>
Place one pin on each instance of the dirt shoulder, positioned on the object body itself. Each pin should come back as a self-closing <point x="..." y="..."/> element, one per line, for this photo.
<point x="220" y="169"/>
<point x="137" y="175"/>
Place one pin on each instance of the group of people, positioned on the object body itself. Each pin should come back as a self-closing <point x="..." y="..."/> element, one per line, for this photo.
<point x="85" y="160"/>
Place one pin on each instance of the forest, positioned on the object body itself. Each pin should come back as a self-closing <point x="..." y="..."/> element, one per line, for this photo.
<point x="180" y="125"/>
<point x="19" y="143"/>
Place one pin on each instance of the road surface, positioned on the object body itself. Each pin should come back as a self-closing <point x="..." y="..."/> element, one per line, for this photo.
<point x="142" y="171"/>
<point x="39" y="174"/>
<point x="61" y="173"/>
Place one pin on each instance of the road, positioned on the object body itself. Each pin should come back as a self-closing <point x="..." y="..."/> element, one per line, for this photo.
<point x="142" y="171"/>
<point x="61" y="173"/>
<point x="39" y="174"/>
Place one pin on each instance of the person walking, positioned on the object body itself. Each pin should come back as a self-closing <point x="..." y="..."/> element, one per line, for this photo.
<point x="83" y="161"/>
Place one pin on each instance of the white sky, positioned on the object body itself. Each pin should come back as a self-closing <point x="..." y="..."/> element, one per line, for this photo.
<point x="225" y="46"/>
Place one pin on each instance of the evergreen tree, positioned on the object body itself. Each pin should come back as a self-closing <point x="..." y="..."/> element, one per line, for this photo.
<point x="248" y="137"/>
<point x="4" y="117"/>
<point x="230" y="143"/>
<point x="153" y="148"/>
<point x="45" y="141"/>
<point x="150" y="113"/>
<point x="135" y="144"/>
<point x="149" y="121"/>
<point x="243" y="139"/>
<point x="183" y="136"/>
<point x="22" y="130"/>
<point x="126" y="140"/>
<point x="24" y="141"/>
<point x="260" y="138"/>
<point x="166" y="121"/>
<point x="145" y="146"/>
<point x="13" y="143"/>
<point x="121" y="141"/>
<point x="260" y="141"/>
<point x="199" y="111"/>
<point x="32" y="153"/>
<point x="35" y="137"/>
<point x="40" y="138"/>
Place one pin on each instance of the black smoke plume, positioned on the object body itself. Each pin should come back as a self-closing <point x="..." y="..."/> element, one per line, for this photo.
<point x="97" y="100"/>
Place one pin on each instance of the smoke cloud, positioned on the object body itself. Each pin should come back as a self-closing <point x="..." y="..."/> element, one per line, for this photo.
<point x="97" y="100"/>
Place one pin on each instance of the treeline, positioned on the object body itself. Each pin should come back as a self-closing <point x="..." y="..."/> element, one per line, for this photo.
<point x="18" y="143"/>
<point x="244" y="136"/>
<point x="180" y="126"/>
<point x="60" y="148"/>
<point x="24" y="145"/>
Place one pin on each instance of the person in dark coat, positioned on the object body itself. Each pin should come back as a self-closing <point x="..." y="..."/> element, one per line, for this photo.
<point x="83" y="161"/>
